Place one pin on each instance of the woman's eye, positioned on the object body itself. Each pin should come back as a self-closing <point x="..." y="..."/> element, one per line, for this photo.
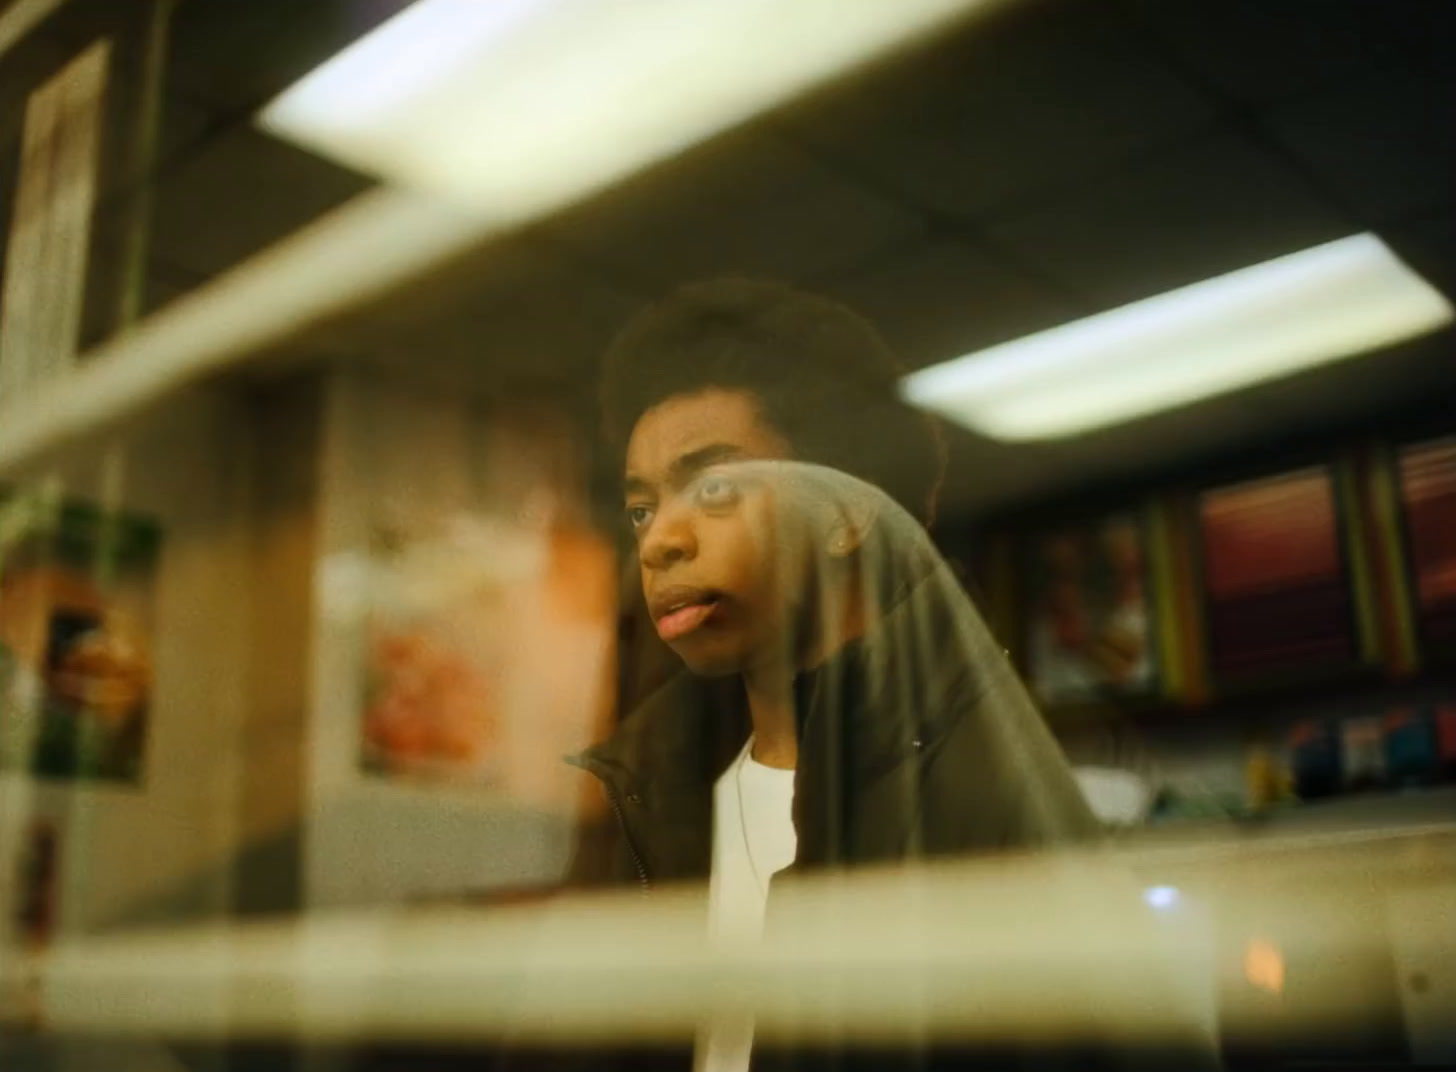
<point x="717" y="491"/>
<point x="638" y="516"/>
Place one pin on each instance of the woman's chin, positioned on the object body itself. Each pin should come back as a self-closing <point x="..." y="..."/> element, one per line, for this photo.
<point x="707" y="659"/>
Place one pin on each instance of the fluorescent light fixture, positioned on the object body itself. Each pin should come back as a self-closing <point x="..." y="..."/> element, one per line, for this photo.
<point x="1283" y="316"/>
<point x="518" y="107"/>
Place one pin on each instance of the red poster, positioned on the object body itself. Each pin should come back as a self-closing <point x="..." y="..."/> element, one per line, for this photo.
<point x="1277" y="593"/>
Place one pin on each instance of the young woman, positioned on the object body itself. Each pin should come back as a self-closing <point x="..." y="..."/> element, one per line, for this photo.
<point x="839" y="700"/>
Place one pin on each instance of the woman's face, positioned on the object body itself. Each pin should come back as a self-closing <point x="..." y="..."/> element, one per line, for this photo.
<point x="715" y="576"/>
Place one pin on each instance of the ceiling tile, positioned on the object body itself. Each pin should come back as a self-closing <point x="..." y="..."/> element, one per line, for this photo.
<point x="936" y="299"/>
<point x="1039" y="97"/>
<point x="747" y="204"/>
<point x="1185" y="216"/>
<point x="1257" y="51"/>
<point x="1383" y="145"/>
<point x="1425" y="29"/>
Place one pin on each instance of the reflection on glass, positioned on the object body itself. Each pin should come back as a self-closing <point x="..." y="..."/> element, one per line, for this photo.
<point x="431" y="622"/>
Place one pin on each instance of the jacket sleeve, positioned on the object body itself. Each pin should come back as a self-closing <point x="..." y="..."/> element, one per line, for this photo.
<point x="982" y="790"/>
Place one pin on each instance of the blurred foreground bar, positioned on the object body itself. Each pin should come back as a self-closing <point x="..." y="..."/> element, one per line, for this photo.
<point x="1143" y="949"/>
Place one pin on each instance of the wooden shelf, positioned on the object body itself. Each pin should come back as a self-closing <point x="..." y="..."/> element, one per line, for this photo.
<point x="1025" y="942"/>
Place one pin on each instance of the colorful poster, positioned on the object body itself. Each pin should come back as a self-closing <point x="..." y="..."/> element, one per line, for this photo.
<point x="431" y="702"/>
<point x="76" y="615"/>
<point x="1277" y="596"/>
<point x="488" y="653"/>
<point x="1091" y="628"/>
<point x="1428" y="495"/>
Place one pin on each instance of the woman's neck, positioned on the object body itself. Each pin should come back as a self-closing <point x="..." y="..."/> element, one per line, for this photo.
<point x="771" y="710"/>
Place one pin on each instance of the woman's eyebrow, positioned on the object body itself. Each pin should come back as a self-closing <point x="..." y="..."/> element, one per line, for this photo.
<point x="688" y="465"/>
<point x="694" y="461"/>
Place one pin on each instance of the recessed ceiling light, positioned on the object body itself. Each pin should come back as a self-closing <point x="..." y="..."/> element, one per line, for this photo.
<point x="1286" y="315"/>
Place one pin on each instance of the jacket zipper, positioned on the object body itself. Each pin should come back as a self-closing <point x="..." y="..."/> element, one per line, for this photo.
<point x="627" y="837"/>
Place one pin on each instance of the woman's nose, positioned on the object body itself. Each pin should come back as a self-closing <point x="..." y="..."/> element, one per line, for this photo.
<point x="670" y="538"/>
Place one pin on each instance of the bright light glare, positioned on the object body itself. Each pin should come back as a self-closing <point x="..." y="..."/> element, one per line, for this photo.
<point x="520" y="106"/>
<point x="1161" y="896"/>
<point x="1295" y="312"/>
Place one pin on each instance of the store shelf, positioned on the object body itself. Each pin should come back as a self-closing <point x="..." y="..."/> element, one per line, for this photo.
<point x="354" y="255"/>
<point x="543" y="972"/>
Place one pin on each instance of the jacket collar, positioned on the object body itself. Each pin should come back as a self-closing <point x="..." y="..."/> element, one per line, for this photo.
<point x="680" y="739"/>
<point x="872" y="706"/>
<point x="689" y="730"/>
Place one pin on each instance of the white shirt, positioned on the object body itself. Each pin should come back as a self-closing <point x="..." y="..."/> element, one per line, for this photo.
<point x="753" y="838"/>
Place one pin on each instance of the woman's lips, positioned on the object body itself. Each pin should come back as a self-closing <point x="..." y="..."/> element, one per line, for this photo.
<point x="681" y="621"/>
